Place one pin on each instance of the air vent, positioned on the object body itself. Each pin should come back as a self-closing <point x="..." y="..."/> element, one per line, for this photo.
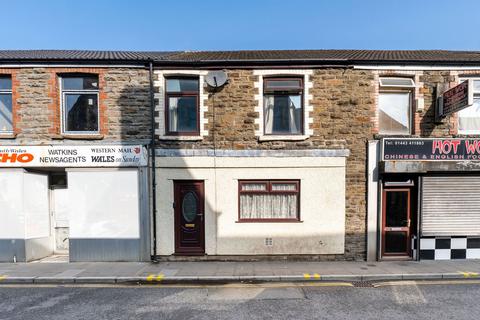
<point x="269" y="242"/>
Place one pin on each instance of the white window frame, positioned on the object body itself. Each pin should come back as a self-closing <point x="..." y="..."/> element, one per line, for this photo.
<point x="397" y="89"/>
<point x="383" y="85"/>
<point x="63" y="93"/>
<point x="160" y="83"/>
<point x="468" y="132"/>
<point x="307" y="107"/>
<point x="10" y="92"/>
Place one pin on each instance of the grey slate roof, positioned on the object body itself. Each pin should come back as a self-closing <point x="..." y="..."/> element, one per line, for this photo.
<point x="330" y="56"/>
<point x="81" y="55"/>
<point x="246" y="56"/>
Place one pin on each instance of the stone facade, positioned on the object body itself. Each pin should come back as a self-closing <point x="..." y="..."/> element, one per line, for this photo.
<point x="343" y="104"/>
<point x="344" y="117"/>
<point x="124" y="105"/>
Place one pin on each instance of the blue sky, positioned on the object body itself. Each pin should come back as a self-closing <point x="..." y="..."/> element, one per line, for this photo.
<point x="241" y="24"/>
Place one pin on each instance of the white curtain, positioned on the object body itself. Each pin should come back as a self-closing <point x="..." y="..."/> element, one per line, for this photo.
<point x="173" y="114"/>
<point x="268" y="206"/>
<point x="292" y="116"/>
<point x="268" y="109"/>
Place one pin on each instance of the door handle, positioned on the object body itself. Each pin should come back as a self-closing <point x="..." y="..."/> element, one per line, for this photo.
<point x="408" y="223"/>
<point x="200" y="215"/>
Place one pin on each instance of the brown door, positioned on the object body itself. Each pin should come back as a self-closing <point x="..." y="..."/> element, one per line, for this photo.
<point x="396" y="222"/>
<point x="189" y="218"/>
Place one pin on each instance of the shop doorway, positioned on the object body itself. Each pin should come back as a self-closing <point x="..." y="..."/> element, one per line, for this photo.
<point x="189" y="217"/>
<point x="399" y="217"/>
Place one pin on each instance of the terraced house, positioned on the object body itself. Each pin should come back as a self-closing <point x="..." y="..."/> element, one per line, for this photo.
<point x="320" y="154"/>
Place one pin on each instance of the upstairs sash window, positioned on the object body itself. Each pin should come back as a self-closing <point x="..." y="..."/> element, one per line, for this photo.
<point x="182" y="106"/>
<point x="80" y="104"/>
<point x="283" y="103"/>
<point x="469" y="118"/>
<point x="395" y="106"/>
<point x="6" y="115"/>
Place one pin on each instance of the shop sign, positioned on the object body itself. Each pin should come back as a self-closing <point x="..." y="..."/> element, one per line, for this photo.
<point x="73" y="156"/>
<point x="431" y="149"/>
<point x="456" y="99"/>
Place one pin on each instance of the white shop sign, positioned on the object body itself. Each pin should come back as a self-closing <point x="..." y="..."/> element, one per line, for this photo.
<point x="73" y="156"/>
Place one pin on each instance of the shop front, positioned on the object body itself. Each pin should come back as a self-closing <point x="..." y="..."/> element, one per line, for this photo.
<point x="428" y="198"/>
<point x="89" y="202"/>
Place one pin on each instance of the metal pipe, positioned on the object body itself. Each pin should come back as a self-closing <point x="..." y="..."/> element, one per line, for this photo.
<point x="152" y="163"/>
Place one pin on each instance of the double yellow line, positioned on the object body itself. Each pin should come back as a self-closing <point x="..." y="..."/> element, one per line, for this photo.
<point x="155" y="277"/>
<point x="469" y="274"/>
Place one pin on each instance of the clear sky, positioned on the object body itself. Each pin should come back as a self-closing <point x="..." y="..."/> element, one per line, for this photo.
<point x="242" y="24"/>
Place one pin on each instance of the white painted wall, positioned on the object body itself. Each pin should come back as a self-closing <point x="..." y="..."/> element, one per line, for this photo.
<point x="372" y="220"/>
<point x="322" y="203"/>
<point x="36" y="205"/>
<point x="11" y="204"/>
<point x="104" y="203"/>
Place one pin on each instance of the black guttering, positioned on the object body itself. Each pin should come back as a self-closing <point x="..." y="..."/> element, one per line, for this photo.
<point x="152" y="163"/>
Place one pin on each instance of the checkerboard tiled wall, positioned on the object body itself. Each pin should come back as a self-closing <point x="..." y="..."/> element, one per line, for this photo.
<point x="449" y="248"/>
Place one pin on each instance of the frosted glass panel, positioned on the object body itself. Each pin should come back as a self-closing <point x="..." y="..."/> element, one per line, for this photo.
<point x="104" y="204"/>
<point x="61" y="207"/>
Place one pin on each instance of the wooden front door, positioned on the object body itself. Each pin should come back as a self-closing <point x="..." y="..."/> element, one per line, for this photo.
<point x="396" y="222"/>
<point x="189" y="218"/>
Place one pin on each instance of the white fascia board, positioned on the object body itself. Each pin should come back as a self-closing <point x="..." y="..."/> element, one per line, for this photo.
<point x="405" y="67"/>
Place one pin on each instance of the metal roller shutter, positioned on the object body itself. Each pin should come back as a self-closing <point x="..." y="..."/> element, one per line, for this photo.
<point x="451" y="206"/>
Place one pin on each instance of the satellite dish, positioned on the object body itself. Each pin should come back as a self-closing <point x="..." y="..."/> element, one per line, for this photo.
<point x="216" y="79"/>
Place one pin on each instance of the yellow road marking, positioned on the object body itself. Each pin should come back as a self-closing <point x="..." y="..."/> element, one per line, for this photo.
<point x="469" y="274"/>
<point x="157" y="277"/>
<point x="150" y="277"/>
<point x="309" y="276"/>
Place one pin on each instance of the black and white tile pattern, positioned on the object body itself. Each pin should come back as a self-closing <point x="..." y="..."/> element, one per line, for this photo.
<point x="449" y="248"/>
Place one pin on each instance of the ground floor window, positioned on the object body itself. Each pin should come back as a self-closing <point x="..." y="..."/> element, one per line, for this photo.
<point x="269" y="200"/>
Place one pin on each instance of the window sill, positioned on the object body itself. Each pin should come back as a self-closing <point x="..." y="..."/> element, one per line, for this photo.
<point x="466" y="133"/>
<point x="80" y="136"/>
<point x="283" y="138"/>
<point x="398" y="136"/>
<point x="8" y="135"/>
<point x="270" y="221"/>
<point x="181" y="138"/>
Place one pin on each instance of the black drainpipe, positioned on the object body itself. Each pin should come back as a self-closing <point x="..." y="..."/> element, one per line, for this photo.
<point x="153" y="166"/>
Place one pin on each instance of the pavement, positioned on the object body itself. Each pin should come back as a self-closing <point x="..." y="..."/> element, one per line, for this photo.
<point x="228" y="272"/>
